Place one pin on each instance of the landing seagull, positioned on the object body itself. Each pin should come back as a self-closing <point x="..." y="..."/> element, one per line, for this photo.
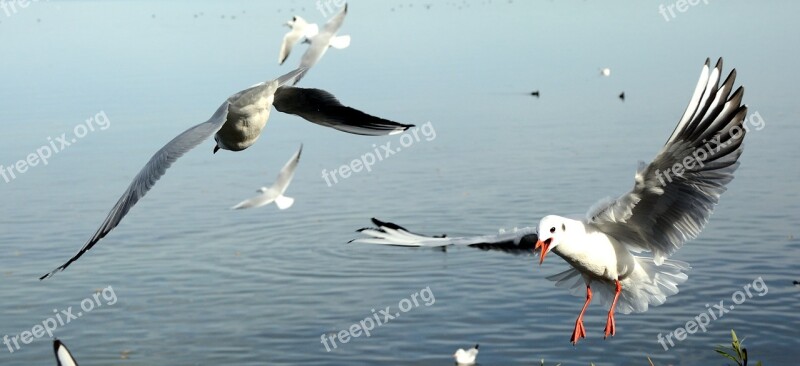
<point x="299" y="28"/>
<point x="323" y="40"/>
<point x="670" y="203"/>
<point x="63" y="356"/>
<point x="275" y="192"/>
<point x="236" y="125"/>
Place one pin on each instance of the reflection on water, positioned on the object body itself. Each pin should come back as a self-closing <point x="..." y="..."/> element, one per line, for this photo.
<point x="199" y="284"/>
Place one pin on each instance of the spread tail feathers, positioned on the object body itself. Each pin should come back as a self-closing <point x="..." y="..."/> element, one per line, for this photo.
<point x="649" y="284"/>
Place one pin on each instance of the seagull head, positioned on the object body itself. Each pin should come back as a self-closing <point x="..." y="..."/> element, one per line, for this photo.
<point x="551" y="231"/>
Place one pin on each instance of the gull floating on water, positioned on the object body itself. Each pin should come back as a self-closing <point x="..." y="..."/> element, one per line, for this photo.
<point x="63" y="356"/>
<point x="605" y="71"/>
<point x="670" y="203"/>
<point x="300" y="28"/>
<point x="322" y="41"/>
<point x="275" y="192"/>
<point x="236" y="125"/>
<point x="467" y="357"/>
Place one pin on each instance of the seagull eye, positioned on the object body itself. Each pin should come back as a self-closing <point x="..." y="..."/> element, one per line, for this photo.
<point x="552" y="230"/>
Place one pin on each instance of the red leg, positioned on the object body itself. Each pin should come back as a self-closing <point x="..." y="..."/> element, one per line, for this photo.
<point x="580" y="331"/>
<point x="610" y="324"/>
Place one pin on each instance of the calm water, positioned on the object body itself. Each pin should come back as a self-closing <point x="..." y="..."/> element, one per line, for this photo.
<point x="197" y="284"/>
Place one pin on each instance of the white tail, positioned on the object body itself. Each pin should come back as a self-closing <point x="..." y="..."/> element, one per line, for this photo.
<point x="649" y="284"/>
<point x="284" y="202"/>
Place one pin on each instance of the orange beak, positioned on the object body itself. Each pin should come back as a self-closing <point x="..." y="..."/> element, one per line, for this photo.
<point x="545" y="245"/>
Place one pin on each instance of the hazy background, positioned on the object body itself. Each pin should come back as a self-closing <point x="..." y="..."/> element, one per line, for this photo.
<point x="198" y="284"/>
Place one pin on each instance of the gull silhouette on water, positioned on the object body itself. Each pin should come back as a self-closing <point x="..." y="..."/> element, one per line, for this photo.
<point x="236" y="125"/>
<point x="670" y="203"/>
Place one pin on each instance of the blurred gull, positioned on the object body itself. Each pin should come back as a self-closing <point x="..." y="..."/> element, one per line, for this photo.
<point x="322" y="41"/>
<point x="300" y="29"/>
<point x="605" y="71"/>
<point x="670" y="203"/>
<point x="236" y="125"/>
<point x="467" y="357"/>
<point x="275" y="192"/>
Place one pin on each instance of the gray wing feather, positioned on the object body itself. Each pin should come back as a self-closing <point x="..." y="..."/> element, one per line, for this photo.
<point x="149" y="175"/>
<point x="333" y="25"/>
<point x="664" y="210"/>
<point x="322" y="108"/>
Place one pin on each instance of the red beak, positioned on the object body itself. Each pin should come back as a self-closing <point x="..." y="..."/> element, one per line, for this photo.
<point x="544" y="245"/>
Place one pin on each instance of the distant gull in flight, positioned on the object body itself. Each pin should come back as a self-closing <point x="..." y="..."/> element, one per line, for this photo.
<point x="300" y="28"/>
<point x="63" y="356"/>
<point x="466" y="357"/>
<point x="322" y="41"/>
<point x="670" y="203"/>
<point x="236" y="125"/>
<point x="275" y="192"/>
<point x="605" y="71"/>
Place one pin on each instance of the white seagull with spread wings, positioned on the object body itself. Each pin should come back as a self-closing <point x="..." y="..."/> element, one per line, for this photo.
<point x="236" y="125"/>
<point x="670" y="203"/>
<point x="323" y="40"/>
<point x="275" y="192"/>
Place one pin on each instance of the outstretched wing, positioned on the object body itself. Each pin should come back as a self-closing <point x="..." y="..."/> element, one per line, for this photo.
<point x="150" y="174"/>
<point x="517" y="241"/>
<point x="674" y="196"/>
<point x="287" y="172"/>
<point x="322" y="108"/>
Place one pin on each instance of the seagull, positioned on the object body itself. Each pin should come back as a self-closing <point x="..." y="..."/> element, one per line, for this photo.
<point x="670" y="203"/>
<point x="466" y="357"/>
<point x="299" y="28"/>
<point x="322" y="41"/>
<point x="63" y="357"/>
<point x="605" y="71"/>
<point x="275" y="192"/>
<point x="236" y="125"/>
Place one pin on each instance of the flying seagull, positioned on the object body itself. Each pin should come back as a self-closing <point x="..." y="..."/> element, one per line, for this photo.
<point x="236" y="125"/>
<point x="275" y="193"/>
<point x="325" y="39"/>
<point x="63" y="357"/>
<point x="299" y="28"/>
<point x="670" y="203"/>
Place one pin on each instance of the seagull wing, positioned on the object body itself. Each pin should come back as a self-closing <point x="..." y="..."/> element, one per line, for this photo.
<point x="63" y="356"/>
<point x="289" y="40"/>
<point x="333" y="25"/>
<point x="669" y="206"/>
<point x="262" y="199"/>
<point x="518" y="241"/>
<point x="322" y="108"/>
<point x="150" y="174"/>
<point x="287" y="173"/>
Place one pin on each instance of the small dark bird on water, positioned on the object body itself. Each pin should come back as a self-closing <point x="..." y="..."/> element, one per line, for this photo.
<point x="622" y="96"/>
<point x="535" y="93"/>
<point x="796" y="283"/>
